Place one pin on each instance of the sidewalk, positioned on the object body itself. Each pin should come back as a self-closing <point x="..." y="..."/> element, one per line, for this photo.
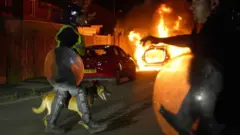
<point x="27" y="88"/>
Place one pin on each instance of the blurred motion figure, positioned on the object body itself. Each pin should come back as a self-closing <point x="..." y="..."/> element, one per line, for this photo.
<point x="203" y="104"/>
<point x="68" y="66"/>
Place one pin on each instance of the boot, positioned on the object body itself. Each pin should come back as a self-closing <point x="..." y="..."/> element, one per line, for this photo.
<point x="56" y="107"/>
<point x="93" y="127"/>
<point x="86" y="121"/>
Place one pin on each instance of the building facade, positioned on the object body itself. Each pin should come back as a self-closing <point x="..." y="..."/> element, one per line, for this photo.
<point x="38" y="10"/>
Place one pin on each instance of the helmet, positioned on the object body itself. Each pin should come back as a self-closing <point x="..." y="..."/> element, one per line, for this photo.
<point x="71" y="13"/>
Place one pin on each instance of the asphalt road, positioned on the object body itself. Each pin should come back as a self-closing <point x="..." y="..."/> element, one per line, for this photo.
<point x="129" y="111"/>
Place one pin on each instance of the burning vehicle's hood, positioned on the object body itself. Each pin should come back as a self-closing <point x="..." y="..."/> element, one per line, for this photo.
<point x="166" y="26"/>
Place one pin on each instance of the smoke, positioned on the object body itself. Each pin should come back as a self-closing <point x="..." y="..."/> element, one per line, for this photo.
<point x="143" y="17"/>
<point x="139" y="17"/>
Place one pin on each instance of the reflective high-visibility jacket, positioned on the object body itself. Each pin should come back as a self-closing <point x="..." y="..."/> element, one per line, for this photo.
<point x="69" y="36"/>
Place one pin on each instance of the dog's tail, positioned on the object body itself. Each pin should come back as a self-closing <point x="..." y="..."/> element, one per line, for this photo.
<point x="41" y="108"/>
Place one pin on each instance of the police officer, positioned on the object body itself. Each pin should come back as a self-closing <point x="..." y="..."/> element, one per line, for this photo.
<point x="206" y="73"/>
<point x="68" y="35"/>
<point x="64" y="83"/>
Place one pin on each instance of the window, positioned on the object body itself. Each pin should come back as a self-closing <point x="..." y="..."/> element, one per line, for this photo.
<point x="49" y="13"/>
<point x="115" y="51"/>
<point x="155" y="55"/>
<point x="8" y="3"/>
<point x="33" y="10"/>
<point x="42" y="4"/>
<point x="97" y="52"/>
<point x="61" y="14"/>
<point x="100" y="52"/>
<point x="122" y="53"/>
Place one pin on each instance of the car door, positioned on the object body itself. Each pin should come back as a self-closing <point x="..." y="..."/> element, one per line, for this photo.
<point x="125" y="61"/>
<point x="117" y="57"/>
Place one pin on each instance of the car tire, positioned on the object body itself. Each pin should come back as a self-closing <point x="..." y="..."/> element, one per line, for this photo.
<point x="118" y="74"/>
<point x="118" y="78"/>
<point x="133" y="75"/>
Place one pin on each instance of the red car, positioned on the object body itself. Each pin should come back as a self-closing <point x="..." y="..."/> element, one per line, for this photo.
<point x="108" y="62"/>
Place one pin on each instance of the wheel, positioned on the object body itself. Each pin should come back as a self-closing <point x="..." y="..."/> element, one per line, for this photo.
<point x="118" y="74"/>
<point x="118" y="77"/>
<point x="133" y="75"/>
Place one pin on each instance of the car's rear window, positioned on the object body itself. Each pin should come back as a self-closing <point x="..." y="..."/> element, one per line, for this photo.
<point x="97" y="51"/>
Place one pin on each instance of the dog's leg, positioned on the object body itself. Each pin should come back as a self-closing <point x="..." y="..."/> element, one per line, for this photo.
<point x="90" y="100"/>
<point x="49" y="101"/>
<point x="45" y="120"/>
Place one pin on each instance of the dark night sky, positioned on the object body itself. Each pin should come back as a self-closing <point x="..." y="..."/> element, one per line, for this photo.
<point x="111" y="5"/>
<point x="108" y="4"/>
<point x="119" y="4"/>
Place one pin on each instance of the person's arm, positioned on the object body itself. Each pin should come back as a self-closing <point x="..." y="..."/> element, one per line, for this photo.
<point x="80" y="47"/>
<point x="180" y="41"/>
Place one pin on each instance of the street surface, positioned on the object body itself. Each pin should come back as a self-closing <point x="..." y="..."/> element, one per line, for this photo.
<point x="129" y="111"/>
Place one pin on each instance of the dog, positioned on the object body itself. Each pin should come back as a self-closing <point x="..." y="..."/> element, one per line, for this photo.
<point x="47" y="100"/>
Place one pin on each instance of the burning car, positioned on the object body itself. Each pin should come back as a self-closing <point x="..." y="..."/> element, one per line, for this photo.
<point x="152" y="56"/>
<point x="156" y="56"/>
<point x="108" y="63"/>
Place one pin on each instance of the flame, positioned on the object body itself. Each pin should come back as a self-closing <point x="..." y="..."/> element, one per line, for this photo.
<point x="140" y="50"/>
<point x="162" y="31"/>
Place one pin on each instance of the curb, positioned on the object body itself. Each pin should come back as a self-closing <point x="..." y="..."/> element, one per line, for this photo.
<point x="19" y="100"/>
<point x="22" y="93"/>
<point x="16" y="92"/>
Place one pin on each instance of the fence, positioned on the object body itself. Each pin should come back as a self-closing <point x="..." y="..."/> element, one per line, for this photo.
<point x="26" y="44"/>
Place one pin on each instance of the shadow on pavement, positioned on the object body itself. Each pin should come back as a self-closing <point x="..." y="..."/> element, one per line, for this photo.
<point x="71" y="120"/>
<point x="119" y="119"/>
<point x="125" y="80"/>
<point x="125" y="119"/>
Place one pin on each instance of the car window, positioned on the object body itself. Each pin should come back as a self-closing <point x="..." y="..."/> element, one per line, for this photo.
<point x="155" y="55"/>
<point x="122" y="53"/>
<point x="115" y="51"/>
<point x="97" y="52"/>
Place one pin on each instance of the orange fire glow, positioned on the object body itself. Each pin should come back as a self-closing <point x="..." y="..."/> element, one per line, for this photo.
<point x="162" y="31"/>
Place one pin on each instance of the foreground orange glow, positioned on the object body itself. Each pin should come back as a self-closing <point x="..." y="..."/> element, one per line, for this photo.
<point x="162" y="31"/>
<point x="170" y="88"/>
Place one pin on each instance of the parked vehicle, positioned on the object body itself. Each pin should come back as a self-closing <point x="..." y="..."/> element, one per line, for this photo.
<point x="108" y="62"/>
